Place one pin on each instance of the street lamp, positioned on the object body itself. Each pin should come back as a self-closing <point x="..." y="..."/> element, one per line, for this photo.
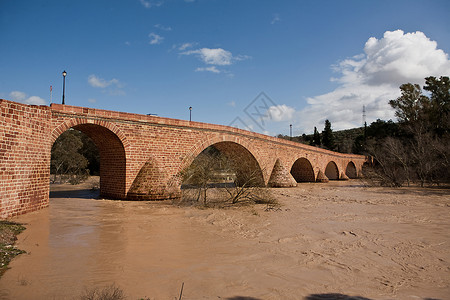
<point x="64" y="73"/>
<point x="190" y="113"/>
<point x="290" y="131"/>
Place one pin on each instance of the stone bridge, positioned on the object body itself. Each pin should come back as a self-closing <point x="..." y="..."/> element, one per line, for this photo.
<point x="141" y="156"/>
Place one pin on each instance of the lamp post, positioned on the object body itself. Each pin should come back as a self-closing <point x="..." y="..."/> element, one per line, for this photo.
<point x="190" y="113"/>
<point x="290" y="132"/>
<point x="64" y="73"/>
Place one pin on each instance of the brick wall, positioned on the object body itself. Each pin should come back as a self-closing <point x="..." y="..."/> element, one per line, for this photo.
<point x="24" y="158"/>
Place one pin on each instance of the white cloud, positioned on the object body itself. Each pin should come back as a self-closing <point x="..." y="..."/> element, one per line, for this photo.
<point x="18" y="96"/>
<point x="92" y="100"/>
<point x="280" y="113"/>
<point x="23" y="98"/>
<point x="150" y="3"/>
<point x="113" y="87"/>
<point x="185" y="46"/>
<point x="218" y="56"/>
<point x="159" y="26"/>
<point x="215" y="57"/>
<point x="98" y="82"/>
<point x="276" y="18"/>
<point x="155" y="39"/>
<point x="212" y="69"/>
<point x="373" y="78"/>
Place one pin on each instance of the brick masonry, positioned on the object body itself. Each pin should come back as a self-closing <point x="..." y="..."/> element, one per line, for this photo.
<point x="141" y="156"/>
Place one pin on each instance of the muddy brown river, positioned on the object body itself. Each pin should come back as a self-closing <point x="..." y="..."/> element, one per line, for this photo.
<point x="339" y="237"/>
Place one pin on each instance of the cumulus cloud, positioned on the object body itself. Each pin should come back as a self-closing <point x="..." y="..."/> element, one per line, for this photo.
<point x="23" y="98"/>
<point x="280" y="113"/>
<point x="155" y="39"/>
<point x="373" y="78"/>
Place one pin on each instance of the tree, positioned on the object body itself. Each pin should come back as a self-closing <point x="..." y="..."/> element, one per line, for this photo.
<point x="66" y="159"/>
<point x="327" y="136"/>
<point x="234" y="179"/>
<point x="439" y="108"/>
<point x="418" y="148"/>
<point x="410" y="105"/>
<point x="316" y="138"/>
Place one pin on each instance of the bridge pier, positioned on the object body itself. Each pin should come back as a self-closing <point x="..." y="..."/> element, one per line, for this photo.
<point x="281" y="177"/>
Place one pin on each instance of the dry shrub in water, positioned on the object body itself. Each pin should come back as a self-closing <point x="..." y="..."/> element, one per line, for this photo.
<point x="111" y="292"/>
<point x="217" y="180"/>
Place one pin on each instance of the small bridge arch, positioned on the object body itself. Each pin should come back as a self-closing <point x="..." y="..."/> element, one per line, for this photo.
<point x="350" y="170"/>
<point x="332" y="171"/>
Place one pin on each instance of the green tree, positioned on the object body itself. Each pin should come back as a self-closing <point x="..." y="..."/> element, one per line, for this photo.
<point x="316" y="138"/>
<point x="439" y="106"/>
<point x="411" y="104"/>
<point x="327" y="136"/>
<point x="66" y="159"/>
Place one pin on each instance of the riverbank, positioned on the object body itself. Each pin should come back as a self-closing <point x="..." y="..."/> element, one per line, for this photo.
<point x="8" y="237"/>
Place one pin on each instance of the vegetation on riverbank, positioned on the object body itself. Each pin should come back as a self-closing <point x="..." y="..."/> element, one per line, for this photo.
<point x="8" y="236"/>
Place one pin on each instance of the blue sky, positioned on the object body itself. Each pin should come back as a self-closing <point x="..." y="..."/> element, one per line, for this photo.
<point x="314" y="60"/>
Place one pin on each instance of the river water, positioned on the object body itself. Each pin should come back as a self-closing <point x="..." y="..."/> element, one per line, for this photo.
<point x="146" y="249"/>
<point x="334" y="238"/>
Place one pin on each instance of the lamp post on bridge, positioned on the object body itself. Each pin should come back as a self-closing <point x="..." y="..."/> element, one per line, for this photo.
<point x="190" y="113"/>
<point x="290" y="132"/>
<point x="64" y="73"/>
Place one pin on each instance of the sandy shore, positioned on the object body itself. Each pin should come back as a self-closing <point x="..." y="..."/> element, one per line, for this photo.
<point x="339" y="237"/>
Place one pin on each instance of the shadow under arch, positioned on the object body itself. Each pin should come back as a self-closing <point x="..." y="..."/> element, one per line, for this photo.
<point x="350" y="171"/>
<point x="112" y="157"/>
<point x="244" y="163"/>
<point x="302" y="170"/>
<point x="332" y="171"/>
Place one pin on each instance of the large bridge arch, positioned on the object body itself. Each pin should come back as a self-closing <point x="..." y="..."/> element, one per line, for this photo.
<point x="235" y="149"/>
<point x="302" y="170"/>
<point x="112" y="153"/>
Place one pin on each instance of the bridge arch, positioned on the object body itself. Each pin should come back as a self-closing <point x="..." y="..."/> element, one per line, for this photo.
<point x="302" y="170"/>
<point x="350" y="170"/>
<point x="332" y="171"/>
<point x="238" y="151"/>
<point x="110" y="144"/>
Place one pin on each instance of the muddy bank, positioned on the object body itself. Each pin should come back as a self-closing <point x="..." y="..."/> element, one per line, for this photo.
<point x="338" y="237"/>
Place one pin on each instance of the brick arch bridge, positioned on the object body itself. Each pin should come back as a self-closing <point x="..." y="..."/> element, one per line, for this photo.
<point x="141" y="156"/>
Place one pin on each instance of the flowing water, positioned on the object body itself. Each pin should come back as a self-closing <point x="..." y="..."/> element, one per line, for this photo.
<point x="339" y="238"/>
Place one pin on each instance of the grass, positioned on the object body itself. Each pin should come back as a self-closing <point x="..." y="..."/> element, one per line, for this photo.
<point x="8" y="236"/>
